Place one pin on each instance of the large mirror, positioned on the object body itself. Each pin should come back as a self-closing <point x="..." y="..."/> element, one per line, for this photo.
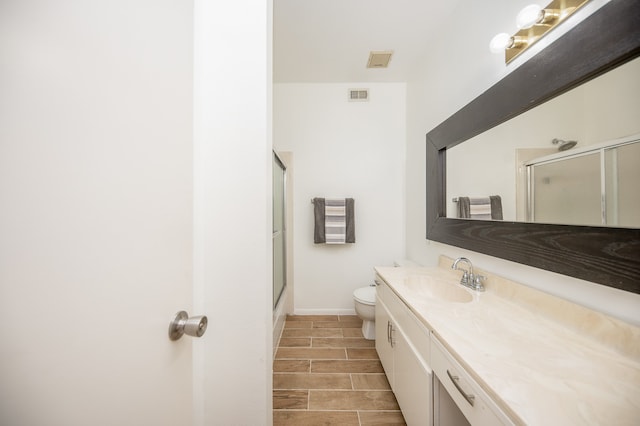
<point x="573" y="160"/>
<point x="599" y="251"/>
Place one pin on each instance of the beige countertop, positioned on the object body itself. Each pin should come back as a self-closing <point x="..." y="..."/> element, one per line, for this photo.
<point x="543" y="360"/>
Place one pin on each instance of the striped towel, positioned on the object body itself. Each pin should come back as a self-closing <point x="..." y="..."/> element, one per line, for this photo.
<point x="483" y="208"/>
<point x="480" y="208"/>
<point x="324" y="229"/>
<point x="335" y="222"/>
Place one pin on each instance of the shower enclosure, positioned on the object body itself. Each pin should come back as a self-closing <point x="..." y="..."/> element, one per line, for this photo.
<point x="279" y="228"/>
<point x="595" y="186"/>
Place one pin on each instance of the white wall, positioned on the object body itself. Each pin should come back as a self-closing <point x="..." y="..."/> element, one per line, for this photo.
<point x="343" y="149"/>
<point x="232" y="132"/>
<point x="456" y="73"/>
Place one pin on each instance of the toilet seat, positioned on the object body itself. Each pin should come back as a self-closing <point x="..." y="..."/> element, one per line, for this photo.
<point x="365" y="295"/>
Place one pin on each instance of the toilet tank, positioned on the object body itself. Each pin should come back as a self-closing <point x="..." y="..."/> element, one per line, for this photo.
<point x="406" y="263"/>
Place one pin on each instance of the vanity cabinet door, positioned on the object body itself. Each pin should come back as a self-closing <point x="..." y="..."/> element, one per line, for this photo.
<point x="412" y="385"/>
<point x="401" y="343"/>
<point x="384" y="347"/>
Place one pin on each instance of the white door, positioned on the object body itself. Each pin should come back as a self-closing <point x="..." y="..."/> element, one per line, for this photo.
<point x="96" y="206"/>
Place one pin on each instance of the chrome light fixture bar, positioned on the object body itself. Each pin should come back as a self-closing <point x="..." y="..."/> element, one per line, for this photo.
<point x="534" y="22"/>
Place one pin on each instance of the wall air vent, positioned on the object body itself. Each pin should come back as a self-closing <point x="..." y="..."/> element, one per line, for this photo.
<point x="358" y="95"/>
<point x="379" y="59"/>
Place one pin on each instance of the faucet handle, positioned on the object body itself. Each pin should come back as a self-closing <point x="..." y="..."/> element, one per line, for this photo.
<point x="464" y="280"/>
<point x="477" y="282"/>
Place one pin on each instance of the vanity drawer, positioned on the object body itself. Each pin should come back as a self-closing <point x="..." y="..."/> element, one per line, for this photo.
<point x="478" y="408"/>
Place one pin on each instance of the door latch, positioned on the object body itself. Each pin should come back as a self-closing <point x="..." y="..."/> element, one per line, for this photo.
<point x="191" y="326"/>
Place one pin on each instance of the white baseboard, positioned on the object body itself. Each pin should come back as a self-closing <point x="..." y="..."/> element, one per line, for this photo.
<point x="324" y="311"/>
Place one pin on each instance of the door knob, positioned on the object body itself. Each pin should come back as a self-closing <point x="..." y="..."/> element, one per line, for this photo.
<point x="191" y="326"/>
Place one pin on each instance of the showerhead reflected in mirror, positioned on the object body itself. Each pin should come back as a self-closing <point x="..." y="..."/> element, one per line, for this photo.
<point x="563" y="145"/>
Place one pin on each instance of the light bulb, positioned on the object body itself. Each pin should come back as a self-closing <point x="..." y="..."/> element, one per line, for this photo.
<point x="529" y="16"/>
<point x="500" y="42"/>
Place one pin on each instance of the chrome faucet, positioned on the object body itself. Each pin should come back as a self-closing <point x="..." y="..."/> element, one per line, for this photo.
<point x="469" y="279"/>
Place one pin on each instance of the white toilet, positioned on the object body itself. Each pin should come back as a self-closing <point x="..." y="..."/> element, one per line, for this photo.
<point x="364" y="299"/>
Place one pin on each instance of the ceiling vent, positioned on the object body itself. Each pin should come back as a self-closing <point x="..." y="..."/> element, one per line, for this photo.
<point x="379" y="59"/>
<point x="358" y="95"/>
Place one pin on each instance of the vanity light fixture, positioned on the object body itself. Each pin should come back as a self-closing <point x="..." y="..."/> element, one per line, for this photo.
<point x="504" y="41"/>
<point x="534" y="22"/>
<point x="536" y="15"/>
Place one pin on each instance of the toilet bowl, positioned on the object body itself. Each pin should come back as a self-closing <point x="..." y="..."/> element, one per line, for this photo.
<point x="364" y="299"/>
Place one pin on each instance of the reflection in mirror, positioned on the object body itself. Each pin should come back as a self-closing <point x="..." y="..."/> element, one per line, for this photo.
<point x="595" y="114"/>
<point x="622" y="175"/>
<point x="590" y="186"/>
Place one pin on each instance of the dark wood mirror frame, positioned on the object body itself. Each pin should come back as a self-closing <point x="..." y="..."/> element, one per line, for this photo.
<point x="609" y="256"/>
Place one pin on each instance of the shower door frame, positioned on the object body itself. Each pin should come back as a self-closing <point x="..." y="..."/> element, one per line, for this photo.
<point x="600" y="148"/>
<point x="283" y="233"/>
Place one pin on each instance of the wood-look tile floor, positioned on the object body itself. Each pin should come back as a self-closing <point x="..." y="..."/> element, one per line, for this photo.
<point x="326" y="373"/>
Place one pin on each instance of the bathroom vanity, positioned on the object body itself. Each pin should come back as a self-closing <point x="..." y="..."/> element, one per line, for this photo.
<point x="403" y="345"/>
<point x="508" y="355"/>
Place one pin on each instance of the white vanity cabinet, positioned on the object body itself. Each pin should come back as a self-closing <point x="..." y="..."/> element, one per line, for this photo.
<point x="402" y="343"/>
<point x="457" y="396"/>
<point x="471" y="362"/>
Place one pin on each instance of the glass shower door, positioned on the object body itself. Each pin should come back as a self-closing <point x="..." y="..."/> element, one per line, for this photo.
<point x="622" y="175"/>
<point x="597" y="187"/>
<point x="567" y="191"/>
<point x="279" y="229"/>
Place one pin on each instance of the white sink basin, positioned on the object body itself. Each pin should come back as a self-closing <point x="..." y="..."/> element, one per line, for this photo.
<point x="438" y="289"/>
